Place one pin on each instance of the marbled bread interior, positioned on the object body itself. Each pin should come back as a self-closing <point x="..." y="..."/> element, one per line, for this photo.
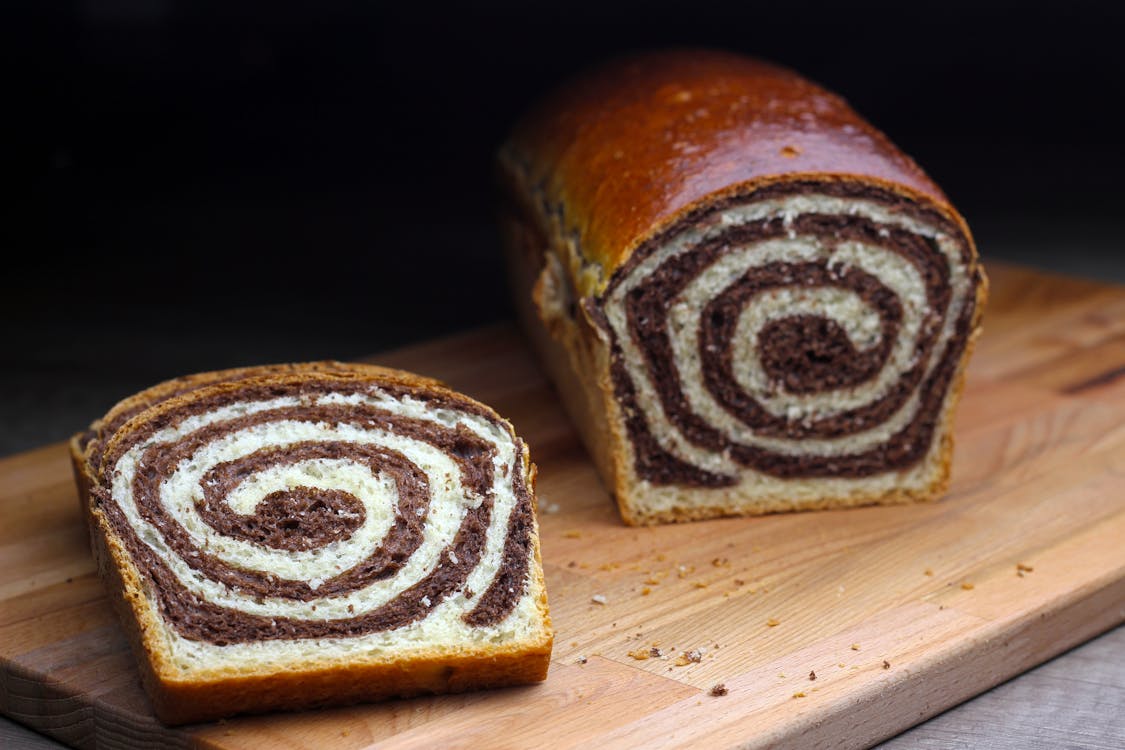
<point x="320" y="534"/>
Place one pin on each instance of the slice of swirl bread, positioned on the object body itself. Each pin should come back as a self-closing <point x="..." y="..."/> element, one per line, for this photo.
<point x="316" y="534"/>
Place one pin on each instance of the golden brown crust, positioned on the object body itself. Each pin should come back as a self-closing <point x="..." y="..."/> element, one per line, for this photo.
<point x="629" y="150"/>
<point x="315" y="682"/>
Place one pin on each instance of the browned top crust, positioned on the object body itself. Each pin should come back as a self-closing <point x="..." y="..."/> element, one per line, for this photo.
<point x="625" y="151"/>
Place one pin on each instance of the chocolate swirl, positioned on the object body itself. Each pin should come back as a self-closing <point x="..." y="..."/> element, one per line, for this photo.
<point x="806" y="330"/>
<point x="320" y="507"/>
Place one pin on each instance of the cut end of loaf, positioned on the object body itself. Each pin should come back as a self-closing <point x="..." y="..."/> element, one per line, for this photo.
<point x="796" y="347"/>
<point x="319" y="536"/>
<point x="801" y="347"/>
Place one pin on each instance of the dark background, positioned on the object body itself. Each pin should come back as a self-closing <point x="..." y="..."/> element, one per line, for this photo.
<point x="197" y="185"/>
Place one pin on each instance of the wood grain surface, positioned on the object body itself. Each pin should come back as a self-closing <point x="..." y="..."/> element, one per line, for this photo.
<point x="898" y="612"/>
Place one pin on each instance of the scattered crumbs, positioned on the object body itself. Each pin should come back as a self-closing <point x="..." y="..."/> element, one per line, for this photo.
<point x="886" y="664"/>
<point x="552" y="508"/>
<point x="582" y="659"/>
<point x="739" y="582"/>
<point x="572" y="564"/>
<point x="941" y="607"/>
<point x="609" y="566"/>
<point x="656" y="653"/>
<point x="661" y="557"/>
<point x="652" y="581"/>
<point x="812" y="675"/>
<point x="640" y="654"/>
<point x="574" y="644"/>
<point x="772" y="622"/>
<point x="689" y="657"/>
<point x="71" y="580"/>
<point x="598" y="598"/>
<point x="700" y="585"/>
<point x="345" y="732"/>
<point x="841" y="665"/>
<point x="721" y="562"/>
<point x="718" y="690"/>
<point x="855" y="647"/>
<point x="1021" y="569"/>
<point x="781" y="675"/>
<point x="351" y="609"/>
<point x="572" y="534"/>
<point x="614" y="625"/>
<point x="928" y="572"/>
<point x="790" y="152"/>
<point x="967" y="586"/>
<point x="646" y="591"/>
<point x="799" y="694"/>
<point x="683" y="571"/>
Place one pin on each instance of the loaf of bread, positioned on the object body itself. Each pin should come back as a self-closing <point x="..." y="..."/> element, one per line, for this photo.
<point x="749" y="299"/>
<point x="318" y="534"/>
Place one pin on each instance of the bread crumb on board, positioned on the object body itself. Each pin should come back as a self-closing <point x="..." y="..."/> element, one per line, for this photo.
<point x="773" y="622"/>
<point x="718" y="690"/>
<point x="641" y="654"/>
<point x="689" y="657"/>
<point x="598" y="599"/>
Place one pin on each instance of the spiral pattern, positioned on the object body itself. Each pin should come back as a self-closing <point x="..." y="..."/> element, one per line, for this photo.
<point x="295" y="508"/>
<point x="806" y="331"/>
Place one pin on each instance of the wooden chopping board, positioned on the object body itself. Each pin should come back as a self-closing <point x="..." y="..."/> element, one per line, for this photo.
<point x="898" y="612"/>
